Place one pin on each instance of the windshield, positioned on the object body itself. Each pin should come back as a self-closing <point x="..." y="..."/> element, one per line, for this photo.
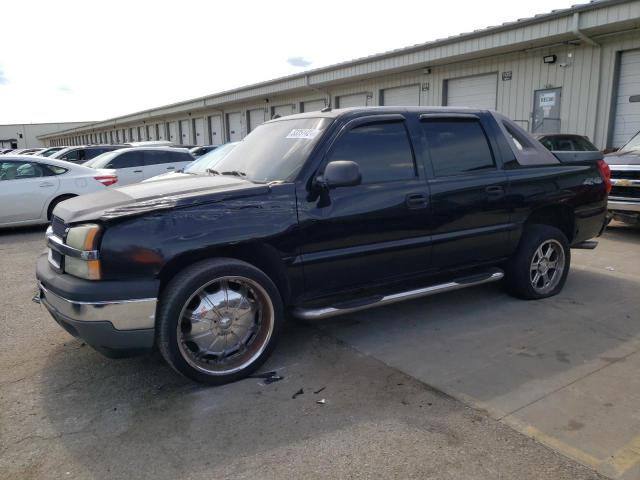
<point x="209" y="160"/>
<point x="274" y="151"/>
<point x="101" y="160"/>
<point x="60" y="153"/>
<point x="633" y="144"/>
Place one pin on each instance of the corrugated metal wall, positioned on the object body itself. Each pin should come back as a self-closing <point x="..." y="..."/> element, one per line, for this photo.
<point x="585" y="73"/>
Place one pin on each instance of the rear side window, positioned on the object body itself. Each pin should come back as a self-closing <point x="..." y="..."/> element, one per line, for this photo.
<point x="381" y="150"/>
<point x="156" y="157"/>
<point x="182" y="157"/>
<point x="127" y="160"/>
<point x="457" y="146"/>
<point x="72" y="156"/>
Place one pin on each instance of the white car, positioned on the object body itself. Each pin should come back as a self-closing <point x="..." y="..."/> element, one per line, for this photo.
<point x="201" y="166"/>
<point x="133" y="165"/>
<point x="31" y="187"/>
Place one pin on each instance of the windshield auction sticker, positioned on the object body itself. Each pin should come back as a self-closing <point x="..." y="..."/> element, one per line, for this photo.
<point x="307" y="133"/>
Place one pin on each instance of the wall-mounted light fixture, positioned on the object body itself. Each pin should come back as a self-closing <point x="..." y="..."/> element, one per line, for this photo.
<point x="549" y="59"/>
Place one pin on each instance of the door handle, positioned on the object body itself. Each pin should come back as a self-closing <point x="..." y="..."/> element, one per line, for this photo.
<point x="46" y="184"/>
<point x="416" y="200"/>
<point x="137" y="171"/>
<point x="494" y="191"/>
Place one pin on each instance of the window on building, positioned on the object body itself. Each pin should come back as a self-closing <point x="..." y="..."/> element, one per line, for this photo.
<point x="382" y="151"/>
<point x="457" y="146"/>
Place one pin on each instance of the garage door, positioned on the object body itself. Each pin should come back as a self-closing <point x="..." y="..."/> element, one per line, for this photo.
<point x="151" y="132"/>
<point x="215" y="128"/>
<point x="627" y="119"/>
<point x="185" y="132"/>
<point x="234" y="132"/>
<point x="173" y="133"/>
<point x="355" y="100"/>
<point x="256" y="117"/>
<point x="479" y="91"/>
<point x="313" y="105"/>
<point x="282" y="110"/>
<point x="199" y="128"/>
<point x="401" y="96"/>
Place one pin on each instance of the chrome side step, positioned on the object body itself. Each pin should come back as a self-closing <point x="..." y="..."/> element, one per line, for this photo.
<point x="586" y="245"/>
<point x="313" y="314"/>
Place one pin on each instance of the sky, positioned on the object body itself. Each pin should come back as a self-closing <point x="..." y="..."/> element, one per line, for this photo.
<point x="68" y="60"/>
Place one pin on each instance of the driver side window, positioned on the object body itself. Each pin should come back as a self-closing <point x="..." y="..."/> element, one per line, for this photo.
<point x="381" y="150"/>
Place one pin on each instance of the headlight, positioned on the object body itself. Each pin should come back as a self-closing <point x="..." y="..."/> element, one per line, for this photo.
<point x="83" y="238"/>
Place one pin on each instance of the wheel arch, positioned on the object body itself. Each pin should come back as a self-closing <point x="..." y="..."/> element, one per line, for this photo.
<point x="55" y="200"/>
<point x="561" y="217"/>
<point x="260" y="255"/>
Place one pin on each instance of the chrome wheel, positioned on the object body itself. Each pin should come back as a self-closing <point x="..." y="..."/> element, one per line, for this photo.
<point x="547" y="266"/>
<point x="225" y="325"/>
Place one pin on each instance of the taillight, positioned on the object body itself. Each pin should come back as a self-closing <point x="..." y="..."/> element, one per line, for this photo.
<point x="605" y="171"/>
<point x="107" y="180"/>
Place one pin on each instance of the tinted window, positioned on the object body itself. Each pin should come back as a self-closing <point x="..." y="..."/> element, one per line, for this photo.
<point x="182" y="157"/>
<point x="569" y="143"/>
<point x="71" y="156"/>
<point x="155" y="157"/>
<point x="457" y="146"/>
<point x="382" y="151"/>
<point x="127" y="160"/>
<point x="21" y="170"/>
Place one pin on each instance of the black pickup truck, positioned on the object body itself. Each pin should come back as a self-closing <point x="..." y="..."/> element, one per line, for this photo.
<point x="316" y="215"/>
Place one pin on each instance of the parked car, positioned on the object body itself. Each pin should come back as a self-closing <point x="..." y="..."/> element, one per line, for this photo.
<point x="201" y="150"/>
<point x="134" y="165"/>
<point x="32" y="151"/>
<point x="150" y="143"/>
<point x="31" y="187"/>
<point x="318" y="214"/>
<point x="566" y="142"/>
<point x="47" y="152"/>
<point x="204" y="165"/>
<point x="624" y="200"/>
<point x="80" y="154"/>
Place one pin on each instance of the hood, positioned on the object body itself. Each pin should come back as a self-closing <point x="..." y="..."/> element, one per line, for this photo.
<point x="170" y="176"/>
<point x="630" y="157"/>
<point x="141" y="198"/>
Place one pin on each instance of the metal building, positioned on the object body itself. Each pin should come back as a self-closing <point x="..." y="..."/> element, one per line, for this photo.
<point x="28" y="135"/>
<point x="574" y="70"/>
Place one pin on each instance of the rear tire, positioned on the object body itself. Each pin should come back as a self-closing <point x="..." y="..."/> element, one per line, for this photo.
<point x="219" y="320"/>
<point x="540" y="266"/>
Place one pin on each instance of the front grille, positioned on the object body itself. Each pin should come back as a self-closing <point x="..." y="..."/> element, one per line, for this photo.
<point x="58" y="227"/>
<point x="627" y="192"/>
<point x="626" y="174"/>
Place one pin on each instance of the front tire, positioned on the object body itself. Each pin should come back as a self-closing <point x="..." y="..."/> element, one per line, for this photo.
<point x="541" y="264"/>
<point x="219" y="320"/>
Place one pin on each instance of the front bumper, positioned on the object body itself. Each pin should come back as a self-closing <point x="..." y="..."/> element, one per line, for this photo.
<point x="114" y="327"/>
<point x="623" y="206"/>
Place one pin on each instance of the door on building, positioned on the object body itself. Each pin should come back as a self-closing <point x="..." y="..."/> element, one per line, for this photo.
<point x="546" y="110"/>
<point x="282" y="111"/>
<point x="626" y="122"/>
<point x="215" y="130"/>
<point x="234" y="127"/>
<point x="185" y="132"/>
<point x="173" y="133"/>
<point x="198" y="127"/>
<point x="477" y="91"/>
<point x="401" y="96"/>
<point x="313" y="105"/>
<point x="255" y="117"/>
<point x="354" y="100"/>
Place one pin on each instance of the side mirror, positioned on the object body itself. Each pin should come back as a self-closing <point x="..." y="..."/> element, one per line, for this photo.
<point x="340" y="173"/>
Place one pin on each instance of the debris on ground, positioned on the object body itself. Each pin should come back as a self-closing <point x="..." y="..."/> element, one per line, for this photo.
<point x="322" y="401"/>
<point x="318" y="391"/>
<point x="299" y="392"/>
<point x="269" y="377"/>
